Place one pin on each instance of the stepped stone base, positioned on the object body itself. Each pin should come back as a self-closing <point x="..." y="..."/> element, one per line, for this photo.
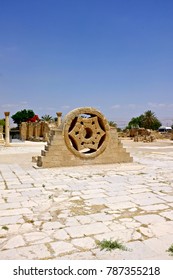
<point x="56" y="153"/>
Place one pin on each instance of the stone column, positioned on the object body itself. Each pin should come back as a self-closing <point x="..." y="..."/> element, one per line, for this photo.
<point x="7" y="129"/>
<point x="36" y="130"/>
<point x="30" y="131"/>
<point x="23" y="131"/>
<point x="45" y="131"/>
<point x="59" y="116"/>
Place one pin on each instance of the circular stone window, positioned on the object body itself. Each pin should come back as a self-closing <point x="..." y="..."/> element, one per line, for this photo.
<point x="86" y="132"/>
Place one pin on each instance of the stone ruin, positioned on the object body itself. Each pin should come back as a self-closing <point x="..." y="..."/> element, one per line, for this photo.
<point x="141" y="135"/>
<point x="39" y="130"/>
<point x="36" y="131"/>
<point x="148" y="135"/>
<point x="1" y="135"/>
<point x="83" y="138"/>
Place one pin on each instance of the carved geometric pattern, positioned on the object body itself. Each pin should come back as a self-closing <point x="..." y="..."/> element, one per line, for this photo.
<point x="87" y="133"/>
<point x="86" y="136"/>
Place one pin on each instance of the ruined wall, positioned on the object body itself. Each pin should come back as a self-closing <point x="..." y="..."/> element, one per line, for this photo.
<point x="37" y="131"/>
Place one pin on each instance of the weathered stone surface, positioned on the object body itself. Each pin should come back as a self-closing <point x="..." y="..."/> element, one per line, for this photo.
<point x="14" y="242"/>
<point x="149" y="219"/>
<point x="11" y="254"/>
<point x="62" y="247"/>
<point x="89" y="229"/>
<point x="11" y="220"/>
<point x="34" y="252"/>
<point x="52" y="225"/>
<point x="121" y="205"/>
<point x="12" y="212"/>
<point x="36" y="236"/>
<point x="154" y="207"/>
<point x="147" y="232"/>
<point x="84" y="243"/>
<point x="66" y="206"/>
<point x="160" y="229"/>
<point x="60" y="234"/>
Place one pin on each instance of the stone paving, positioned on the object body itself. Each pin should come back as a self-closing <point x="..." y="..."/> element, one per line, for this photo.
<point x="62" y="213"/>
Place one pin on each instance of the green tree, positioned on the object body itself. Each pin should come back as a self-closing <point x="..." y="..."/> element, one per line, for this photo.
<point x="147" y="120"/>
<point x="150" y="121"/>
<point x="22" y="116"/>
<point x="47" y="118"/>
<point x="2" y="122"/>
<point x="135" y="122"/>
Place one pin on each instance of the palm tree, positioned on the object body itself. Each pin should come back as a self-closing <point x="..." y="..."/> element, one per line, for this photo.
<point x="150" y="121"/>
<point x="46" y="118"/>
<point x="112" y="123"/>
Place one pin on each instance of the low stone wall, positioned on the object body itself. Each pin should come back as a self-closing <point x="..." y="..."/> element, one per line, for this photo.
<point x="139" y="132"/>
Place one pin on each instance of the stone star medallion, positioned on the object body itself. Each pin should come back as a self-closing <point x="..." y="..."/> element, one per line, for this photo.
<point x="87" y="135"/>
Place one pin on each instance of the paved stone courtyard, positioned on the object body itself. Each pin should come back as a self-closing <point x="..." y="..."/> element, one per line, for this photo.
<point x="61" y="213"/>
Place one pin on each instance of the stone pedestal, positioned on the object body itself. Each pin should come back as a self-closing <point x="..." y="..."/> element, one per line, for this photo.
<point x="7" y="129"/>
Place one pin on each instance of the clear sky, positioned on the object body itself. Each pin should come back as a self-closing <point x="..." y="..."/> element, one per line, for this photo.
<point x="114" y="55"/>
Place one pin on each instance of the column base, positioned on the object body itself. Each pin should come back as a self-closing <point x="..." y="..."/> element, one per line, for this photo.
<point x="7" y="145"/>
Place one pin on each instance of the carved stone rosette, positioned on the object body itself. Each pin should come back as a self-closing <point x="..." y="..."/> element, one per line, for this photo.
<point x="86" y="132"/>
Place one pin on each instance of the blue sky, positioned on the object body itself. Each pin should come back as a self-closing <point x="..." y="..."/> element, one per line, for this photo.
<point x="114" y="55"/>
